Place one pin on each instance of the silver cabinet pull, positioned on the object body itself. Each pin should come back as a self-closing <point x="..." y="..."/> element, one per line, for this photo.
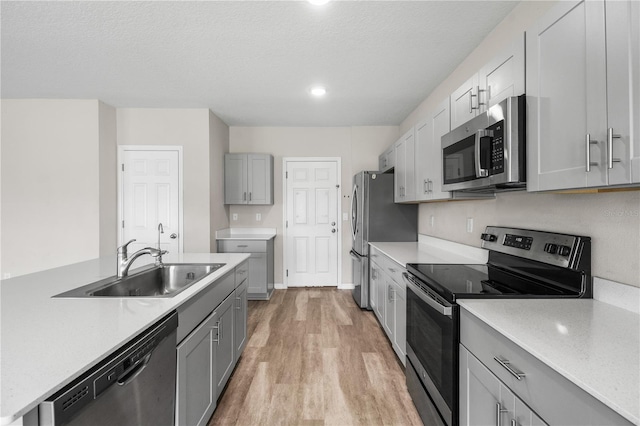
<point x="425" y="187"/>
<point x="243" y="245"/>
<point x="481" y="103"/>
<point x="430" y="186"/>
<point x="499" y="411"/>
<point x="244" y="196"/>
<point x="505" y="363"/>
<point x="514" y="422"/>
<point x="218" y="333"/>
<point x="249" y="196"/>
<point x="610" y="137"/>
<point x="588" y="143"/>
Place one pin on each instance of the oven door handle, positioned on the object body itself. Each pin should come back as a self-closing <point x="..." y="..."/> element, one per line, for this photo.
<point x="426" y="298"/>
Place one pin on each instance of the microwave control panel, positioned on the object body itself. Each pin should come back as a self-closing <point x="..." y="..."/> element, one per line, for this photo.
<point x="497" y="148"/>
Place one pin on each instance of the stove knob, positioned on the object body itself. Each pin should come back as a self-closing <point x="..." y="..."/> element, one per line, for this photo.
<point x="564" y="250"/>
<point x="488" y="237"/>
<point x="551" y="248"/>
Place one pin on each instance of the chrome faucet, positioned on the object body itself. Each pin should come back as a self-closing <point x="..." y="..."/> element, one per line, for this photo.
<point x="124" y="262"/>
<point x="159" y="257"/>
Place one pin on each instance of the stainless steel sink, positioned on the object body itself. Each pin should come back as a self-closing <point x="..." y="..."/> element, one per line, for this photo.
<point x="160" y="281"/>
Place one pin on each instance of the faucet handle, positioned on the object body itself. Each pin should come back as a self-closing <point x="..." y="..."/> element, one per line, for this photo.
<point x="123" y="248"/>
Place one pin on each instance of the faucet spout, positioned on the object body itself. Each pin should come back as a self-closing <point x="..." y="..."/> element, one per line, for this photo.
<point x="124" y="261"/>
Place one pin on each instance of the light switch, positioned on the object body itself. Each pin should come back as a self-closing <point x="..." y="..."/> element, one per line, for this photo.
<point x="469" y="224"/>
<point x="258" y="217"/>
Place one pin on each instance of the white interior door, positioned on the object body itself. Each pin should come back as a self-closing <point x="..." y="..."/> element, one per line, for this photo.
<point x="312" y="223"/>
<point x="150" y="194"/>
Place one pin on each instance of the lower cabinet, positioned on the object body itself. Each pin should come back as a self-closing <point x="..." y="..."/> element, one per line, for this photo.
<point x="224" y="349"/>
<point x="196" y="380"/>
<point x="389" y="300"/>
<point x="240" y="322"/>
<point x="208" y="354"/>
<point x="485" y="400"/>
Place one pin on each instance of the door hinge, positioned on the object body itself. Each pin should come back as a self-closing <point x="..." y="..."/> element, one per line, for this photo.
<point x="287" y="272"/>
<point x="123" y="223"/>
<point x="123" y="167"/>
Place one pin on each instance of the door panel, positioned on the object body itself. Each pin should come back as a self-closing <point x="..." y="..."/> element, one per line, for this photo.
<point x="312" y="217"/>
<point x="150" y="195"/>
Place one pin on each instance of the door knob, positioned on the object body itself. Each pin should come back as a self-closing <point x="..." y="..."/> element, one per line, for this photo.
<point x="333" y="224"/>
<point x="333" y="231"/>
<point x="173" y="236"/>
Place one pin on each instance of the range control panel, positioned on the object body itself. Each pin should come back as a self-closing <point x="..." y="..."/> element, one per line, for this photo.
<point x="548" y="247"/>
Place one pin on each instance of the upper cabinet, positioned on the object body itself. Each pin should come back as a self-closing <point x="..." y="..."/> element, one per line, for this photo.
<point x="404" y="177"/>
<point x="428" y="158"/>
<point x="387" y="160"/>
<point x="583" y="77"/>
<point x="248" y="179"/>
<point x="501" y="77"/>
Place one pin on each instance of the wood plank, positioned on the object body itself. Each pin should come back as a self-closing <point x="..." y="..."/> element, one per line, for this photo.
<point x="315" y="358"/>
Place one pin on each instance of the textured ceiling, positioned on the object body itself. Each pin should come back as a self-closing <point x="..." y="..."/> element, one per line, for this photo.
<point x="251" y="63"/>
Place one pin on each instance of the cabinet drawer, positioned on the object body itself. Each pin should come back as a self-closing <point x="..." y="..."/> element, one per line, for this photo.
<point x="242" y="246"/>
<point x="553" y="397"/>
<point x="242" y="272"/>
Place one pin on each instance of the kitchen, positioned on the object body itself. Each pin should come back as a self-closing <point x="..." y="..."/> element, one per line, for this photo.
<point x="609" y="218"/>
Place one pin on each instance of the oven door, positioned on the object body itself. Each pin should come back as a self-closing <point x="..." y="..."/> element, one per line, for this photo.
<point x="432" y="349"/>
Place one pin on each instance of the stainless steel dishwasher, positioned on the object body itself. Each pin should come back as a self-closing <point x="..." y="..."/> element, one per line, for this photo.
<point x="134" y="386"/>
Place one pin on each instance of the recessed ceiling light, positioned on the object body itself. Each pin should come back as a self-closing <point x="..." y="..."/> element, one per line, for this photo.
<point x="318" y="2"/>
<point x="318" y="91"/>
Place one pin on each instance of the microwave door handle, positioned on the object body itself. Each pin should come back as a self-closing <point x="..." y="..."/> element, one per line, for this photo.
<point x="480" y="172"/>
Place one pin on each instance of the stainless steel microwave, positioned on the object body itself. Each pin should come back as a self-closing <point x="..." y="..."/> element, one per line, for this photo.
<point x="487" y="153"/>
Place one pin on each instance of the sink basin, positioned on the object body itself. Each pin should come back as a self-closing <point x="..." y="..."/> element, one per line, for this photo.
<point x="160" y="281"/>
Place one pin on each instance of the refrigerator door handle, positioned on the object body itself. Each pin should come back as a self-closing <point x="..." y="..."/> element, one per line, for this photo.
<point x="354" y="219"/>
<point x="354" y="255"/>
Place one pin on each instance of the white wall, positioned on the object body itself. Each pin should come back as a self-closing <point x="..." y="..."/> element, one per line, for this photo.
<point x="358" y="147"/>
<point x="189" y="128"/>
<point x="108" y="180"/>
<point x="218" y="146"/>
<point x="612" y="220"/>
<point x="51" y="182"/>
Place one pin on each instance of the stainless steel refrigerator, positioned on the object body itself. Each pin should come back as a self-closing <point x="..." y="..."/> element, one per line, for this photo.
<point x="376" y="218"/>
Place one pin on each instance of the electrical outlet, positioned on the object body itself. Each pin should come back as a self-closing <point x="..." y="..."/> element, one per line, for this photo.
<point x="258" y="217"/>
<point x="469" y="224"/>
<point x="234" y="216"/>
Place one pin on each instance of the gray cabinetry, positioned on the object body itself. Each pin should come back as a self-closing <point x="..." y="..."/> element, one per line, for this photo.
<point x="490" y="363"/>
<point x="388" y="299"/>
<point x="224" y="347"/>
<point x="212" y="336"/>
<point x="261" y="268"/>
<point x="583" y="71"/>
<point x="196" y="387"/>
<point x="387" y="160"/>
<point x="248" y="179"/>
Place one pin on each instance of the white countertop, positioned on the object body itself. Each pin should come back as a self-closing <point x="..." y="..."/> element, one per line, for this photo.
<point x="48" y="342"/>
<point x="593" y="344"/>
<point x="246" y="234"/>
<point x="432" y="250"/>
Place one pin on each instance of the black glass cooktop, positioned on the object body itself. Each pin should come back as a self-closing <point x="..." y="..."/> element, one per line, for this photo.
<point x="453" y="281"/>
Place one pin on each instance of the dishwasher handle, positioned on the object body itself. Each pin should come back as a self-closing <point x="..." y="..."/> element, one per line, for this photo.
<point x="132" y="373"/>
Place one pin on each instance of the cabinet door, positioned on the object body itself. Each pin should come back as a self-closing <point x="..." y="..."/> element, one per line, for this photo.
<point x="424" y="150"/>
<point x="464" y="102"/>
<point x="400" y="335"/>
<point x="196" y="379"/>
<point x="260" y="178"/>
<point x="503" y="76"/>
<point x="389" y="309"/>
<point x="524" y="416"/>
<point x="224" y="349"/>
<point x="440" y="125"/>
<point x="235" y="179"/>
<point x="257" y="280"/>
<point x="566" y="88"/>
<point x="373" y="284"/>
<point x="479" y="392"/>
<point x="380" y="293"/>
<point x="399" y="176"/>
<point x="240" y="320"/>
<point x="623" y="91"/>
<point x="410" y="166"/>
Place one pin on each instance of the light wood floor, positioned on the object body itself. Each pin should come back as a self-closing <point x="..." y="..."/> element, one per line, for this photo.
<point x="314" y="358"/>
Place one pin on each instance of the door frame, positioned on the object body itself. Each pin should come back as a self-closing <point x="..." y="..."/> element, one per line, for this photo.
<point x="120" y="185"/>
<point x="285" y="161"/>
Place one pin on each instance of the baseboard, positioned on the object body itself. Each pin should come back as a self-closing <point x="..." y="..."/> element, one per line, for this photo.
<point x="346" y="286"/>
<point x="343" y="286"/>
<point x="279" y="286"/>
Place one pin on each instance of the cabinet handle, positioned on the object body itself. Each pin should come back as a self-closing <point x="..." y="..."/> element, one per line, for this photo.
<point x="218" y="332"/>
<point x="514" y="422"/>
<point x="242" y="245"/>
<point x="244" y="196"/>
<point x="505" y="363"/>
<point x="588" y="143"/>
<point x="481" y="103"/>
<point x="610" y="137"/>
<point x="239" y="304"/>
<point x="471" y="107"/>
<point x="430" y="185"/>
<point x="250" y="196"/>
<point x="425" y="187"/>
<point x="499" y="411"/>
